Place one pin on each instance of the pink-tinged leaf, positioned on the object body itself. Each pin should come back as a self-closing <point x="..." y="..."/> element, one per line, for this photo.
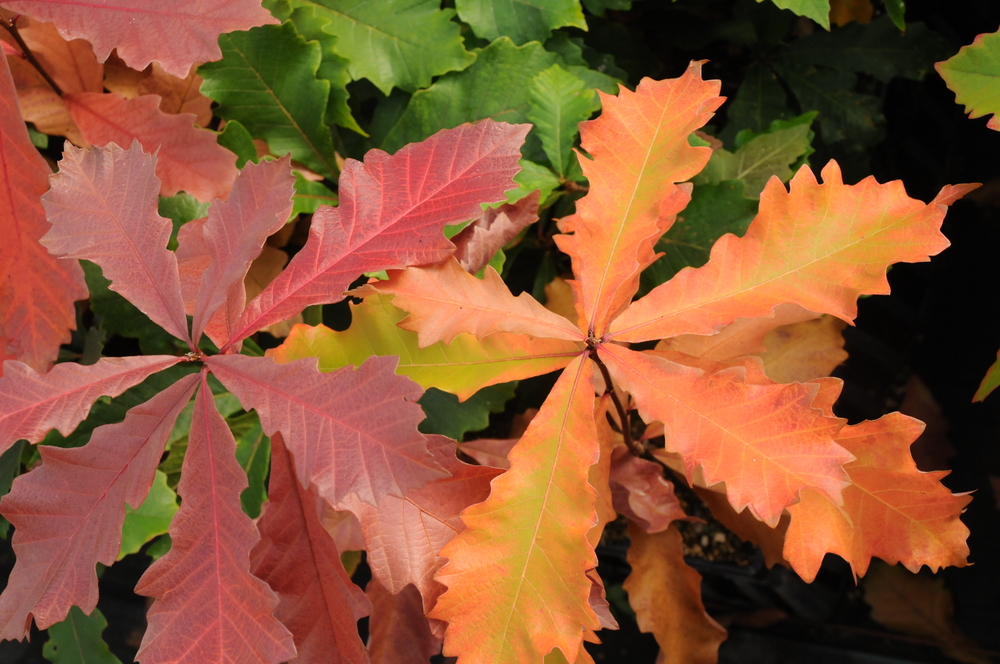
<point x="208" y="606"/>
<point x="484" y="237"/>
<point x="34" y="404"/>
<point x="489" y="451"/>
<point x="298" y="559"/>
<point x="349" y="431"/>
<point x="640" y="492"/>
<point x="193" y="260"/>
<point x="444" y="301"/>
<point x="68" y="512"/>
<point x="398" y="629"/>
<point x="36" y="290"/>
<point x="391" y="214"/>
<point x="102" y="207"/>
<point x="764" y="440"/>
<point x="175" y="33"/>
<point x="405" y="535"/>
<point x="258" y="206"/>
<point x="188" y="158"/>
<point x="818" y="245"/>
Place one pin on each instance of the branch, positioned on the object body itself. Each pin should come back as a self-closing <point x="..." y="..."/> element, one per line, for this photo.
<point x="11" y="27"/>
<point x="635" y="447"/>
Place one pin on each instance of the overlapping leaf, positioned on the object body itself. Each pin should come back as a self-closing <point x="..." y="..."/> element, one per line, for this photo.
<point x="369" y="446"/>
<point x="69" y="512"/>
<point x="531" y="20"/>
<point x="188" y="157"/>
<point x="202" y="587"/>
<point x="298" y="559"/>
<point x="175" y="33"/>
<point x="974" y="76"/>
<point x="36" y="290"/>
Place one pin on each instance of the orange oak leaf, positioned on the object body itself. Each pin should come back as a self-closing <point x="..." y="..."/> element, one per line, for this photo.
<point x="666" y="596"/>
<point x="891" y="510"/>
<point x="639" y="148"/>
<point x="95" y="201"/>
<point x="298" y="559"/>
<point x="335" y="443"/>
<point x="391" y="213"/>
<point x="188" y="158"/>
<point x="444" y="301"/>
<point x="522" y="562"/>
<point x="489" y="451"/>
<point x="476" y="244"/>
<point x="766" y="442"/>
<point x="791" y="253"/>
<point x="68" y="513"/>
<point x="399" y="631"/>
<point x="177" y="95"/>
<point x="225" y="613"/>
<point x="234" y="233"/>
<point x="175" y="33"/>
<point x="35" y="403"/>
<point x="36" y="289"/>
<point x="405" y="535"/>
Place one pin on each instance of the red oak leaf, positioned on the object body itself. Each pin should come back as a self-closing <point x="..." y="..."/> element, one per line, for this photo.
<point x="188" y="158"/>
<point x="34" y="403"/>
<point x="208" y="606"/>
<point x="367" y="446"/>
<point x="175" y="33"/>
<point x="298" y="559"/>
<point x="399" y="631"/>
<point x="391" y="212"/>
<point x="476" y="244"/>
<point x="640" y="492"/>
<point x="68" y="513"/>
<point x="36" y="289"/>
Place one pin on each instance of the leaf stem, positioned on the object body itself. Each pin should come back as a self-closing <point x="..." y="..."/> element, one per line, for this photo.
<point x="11" y="27"/>
<point x="635" y="447"/>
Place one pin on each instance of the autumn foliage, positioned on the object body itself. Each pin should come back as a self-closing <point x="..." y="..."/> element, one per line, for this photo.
<point x="495" y="561"/>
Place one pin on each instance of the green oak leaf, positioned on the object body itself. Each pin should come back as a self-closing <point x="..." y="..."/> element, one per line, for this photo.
<point x="598" y="7"/>
<point x="495" y="86"/>
<point x="759" y="157"/>
<point x="180" y="209"/>
<point x="77" y="640"/>
<point x="311" y="22"/>
<point x="393" y="43"/>
<point x="151" y="519"/>
<point x="990" y="381"/>
<point x="253" y="452"/>
<point x="267" y="81"/>
<point x="714" y="210"/>
<point x="974" y="76"/>
<point x="597" y="70"/>
<point x="877" y="48"/>
<point x="449" y="417"/>
<point x="531" y="177"/>
<point x="559" y="103"/>
<point x="817" y="10"/>
<point x="235" y="138"/>
<point x="896" y="9"/>
<point x="523" y="20"/>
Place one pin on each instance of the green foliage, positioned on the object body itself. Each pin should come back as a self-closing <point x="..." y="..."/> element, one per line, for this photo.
<point x="267" y="81"/>
<point x="253" y="451"/>
<point x="393" y="43"/>
<point x="77" y="640"/>
<point x="151" y="519"/>
<point x="235" y="137"/>
<point x="974" y="75"/>
<point x="817" y="10"/>
<point x="449" y="417"/>
<point x="523" y="21"/>
<point x="559" y="102"/>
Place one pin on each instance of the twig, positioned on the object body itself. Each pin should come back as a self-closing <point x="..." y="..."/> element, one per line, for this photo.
<point x="11" y="27"/>
<point x="635" y="447"/>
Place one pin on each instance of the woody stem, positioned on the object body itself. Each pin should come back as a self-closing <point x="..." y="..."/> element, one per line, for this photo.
<point x="11" y="27"/>
<point x="633" y="446"/>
